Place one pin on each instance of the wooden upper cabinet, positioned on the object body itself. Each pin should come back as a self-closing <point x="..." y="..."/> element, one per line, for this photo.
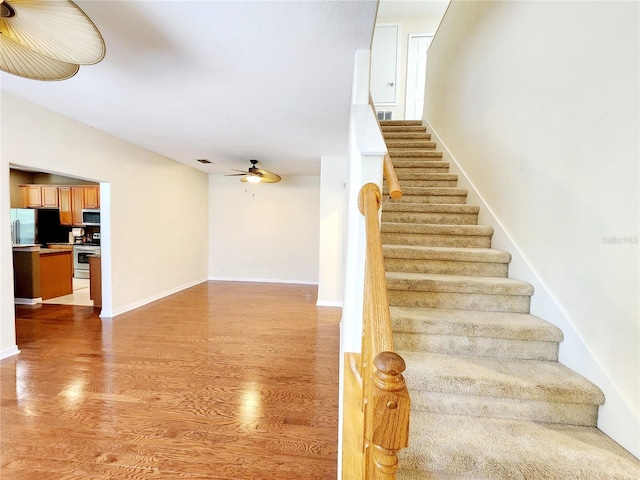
<point x="31" y="196"/>
<point x="39" y="196"/>
<point x="70" y="199"/>
<point x="64" y="200"/>
<point x="92" y="197"/>
<point x="77" y="204"/>
<point x="49" y="196"/>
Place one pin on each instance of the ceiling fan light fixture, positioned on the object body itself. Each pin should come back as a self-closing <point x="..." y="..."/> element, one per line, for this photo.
<point x="253" y="178"/>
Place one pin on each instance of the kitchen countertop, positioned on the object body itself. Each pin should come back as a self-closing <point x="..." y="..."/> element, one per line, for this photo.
<point x="55" y="251"/>
<point x="30" y="247"/>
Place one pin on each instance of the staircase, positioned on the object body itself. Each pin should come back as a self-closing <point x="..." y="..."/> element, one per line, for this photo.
<point x="489" y="398"/>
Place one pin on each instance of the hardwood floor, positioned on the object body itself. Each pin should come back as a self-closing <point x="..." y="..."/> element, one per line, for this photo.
<point x="223" y="380"/>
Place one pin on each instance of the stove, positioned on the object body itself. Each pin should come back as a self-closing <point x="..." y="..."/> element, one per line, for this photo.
<point x="81" y="254"/>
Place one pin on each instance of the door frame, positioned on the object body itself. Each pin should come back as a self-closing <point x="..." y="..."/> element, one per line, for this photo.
<point x="410" y="59"/>
<point x="398" y="62"/>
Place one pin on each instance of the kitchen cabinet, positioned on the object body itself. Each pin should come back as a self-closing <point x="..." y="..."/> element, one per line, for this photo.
<point x="56" y="273"/>
<point x="95" y="281"/>
<point x="39" y="196"/>
<point x="70" y="199"/>
<point x="91" y="197"/>
<point x="26" y="275"/>
<point x="77" y="204"/>
<point x="64" y="200"/>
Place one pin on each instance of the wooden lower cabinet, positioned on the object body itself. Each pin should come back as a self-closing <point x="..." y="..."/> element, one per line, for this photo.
<point x="95" y="281"/>
<point x="56" y="273"/>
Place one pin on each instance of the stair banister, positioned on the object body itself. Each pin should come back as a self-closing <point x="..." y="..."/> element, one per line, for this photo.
<point x="390" y="176"/>
<point x="385" y="396"/>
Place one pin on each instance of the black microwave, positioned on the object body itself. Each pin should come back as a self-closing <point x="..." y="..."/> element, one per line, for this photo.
<point x="91" y="217"/>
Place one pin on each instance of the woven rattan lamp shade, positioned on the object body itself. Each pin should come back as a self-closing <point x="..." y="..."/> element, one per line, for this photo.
<point x="47" y="39"/>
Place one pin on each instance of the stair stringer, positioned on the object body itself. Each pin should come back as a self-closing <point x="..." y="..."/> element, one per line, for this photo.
<point x="616" y="417"/>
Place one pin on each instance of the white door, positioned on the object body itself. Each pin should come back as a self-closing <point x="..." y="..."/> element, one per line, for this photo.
<point x="416" y="75"/>
<point x="384" y="62"/>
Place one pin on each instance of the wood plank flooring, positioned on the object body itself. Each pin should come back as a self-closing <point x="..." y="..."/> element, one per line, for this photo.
<point x="221" y="381"/>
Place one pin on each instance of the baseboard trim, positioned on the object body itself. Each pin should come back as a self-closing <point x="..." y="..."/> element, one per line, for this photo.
<point x="327" y="303"/>
<point x="132" y="306"/>
<point x="262" y="280"/>
<point x="9" y="352"/>
<point x="27" y="301"/>
<point x="616" y="417"/>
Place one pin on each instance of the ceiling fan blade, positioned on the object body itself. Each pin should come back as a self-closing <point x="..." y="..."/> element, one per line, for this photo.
<point x="269" y="177"/>
<point x="55" y="29"/>
<point x="236" y="175"/>
<point x="19" y="60"/>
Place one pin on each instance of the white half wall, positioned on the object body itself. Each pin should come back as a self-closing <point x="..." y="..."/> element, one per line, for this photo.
<point x="265" y="232"/>
<point x="333" y="184"/>
<point x="151" y="199"/>
<point x="539" y="104"/>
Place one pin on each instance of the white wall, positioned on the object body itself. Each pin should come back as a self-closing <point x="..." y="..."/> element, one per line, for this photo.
<point x="267" y="232"/>
<point x="333" y="183"/>
<point x="151" y="199"/>
<point x="538" y="102"/>
<point x="408" y="25"/>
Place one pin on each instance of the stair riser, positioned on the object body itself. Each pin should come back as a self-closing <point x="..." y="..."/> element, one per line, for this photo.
<point x="426" y="240"/>
<point x="434" y="199"/>
<point x="432" y="218"/>
<point x="517" y="409"/>
<point x="461" y="301"/>
<point x="446" y="267"/>
<point x="479" y="346"/>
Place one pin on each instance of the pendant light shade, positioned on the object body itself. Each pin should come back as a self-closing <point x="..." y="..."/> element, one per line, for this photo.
<point x="47" y="39"/>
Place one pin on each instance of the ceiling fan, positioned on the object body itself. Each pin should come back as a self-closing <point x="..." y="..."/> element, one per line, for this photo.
<point x="255" y="174"/>
<point x="47" y="39"/>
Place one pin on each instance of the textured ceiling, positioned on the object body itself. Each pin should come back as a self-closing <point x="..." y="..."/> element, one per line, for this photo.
<point x="223" y="80"/>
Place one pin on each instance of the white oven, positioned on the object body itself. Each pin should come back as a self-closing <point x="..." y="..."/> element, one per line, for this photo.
<point x="81" y="254"/>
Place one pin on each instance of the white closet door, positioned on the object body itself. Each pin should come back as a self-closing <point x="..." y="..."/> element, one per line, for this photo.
<point x="384" y="63"/>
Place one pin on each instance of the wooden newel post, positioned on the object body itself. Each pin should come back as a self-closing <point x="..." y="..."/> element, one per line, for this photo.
<point x="389" y="416"/>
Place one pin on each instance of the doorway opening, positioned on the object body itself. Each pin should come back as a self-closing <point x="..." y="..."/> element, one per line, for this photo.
<point x="56" y="238"/>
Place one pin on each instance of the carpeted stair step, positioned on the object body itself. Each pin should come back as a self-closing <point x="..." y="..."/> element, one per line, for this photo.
<point x="403" y="128"/>
<point x="401" y="153"/>
<point x="407" y="135"/>
<point x="428" y="179"/>
<point x="410" y="144"/>
<point x="472" y="236"/>
<point x="471" y="448"/>
<point x="442" y="214"/>
<point x="400" y="123"/>
<point x="484" y="262"/>
<point x="534" y="390"/>
<point x="420" y="166"/>
<point x="449" y="195"/>
<point x="487" y="294"/>
<point x="466" y="332"/>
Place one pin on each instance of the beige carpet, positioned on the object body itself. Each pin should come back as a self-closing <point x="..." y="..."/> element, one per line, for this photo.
<point x="489" y="398"/>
